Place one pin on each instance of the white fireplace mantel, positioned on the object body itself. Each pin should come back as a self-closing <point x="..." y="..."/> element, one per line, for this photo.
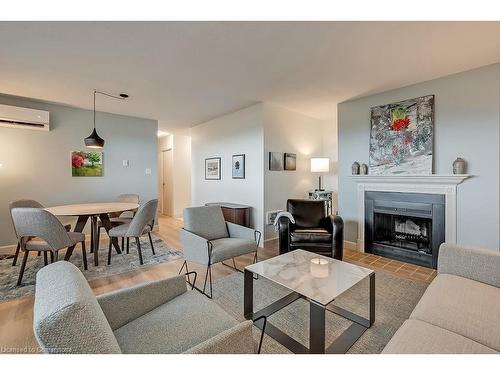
<point x="430" y="184"/>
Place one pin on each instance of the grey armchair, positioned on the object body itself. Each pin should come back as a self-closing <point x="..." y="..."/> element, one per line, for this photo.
<point x="208" y="239"/>
<point x="28" y="203"/>
<point x="141" y="224"/>
<point x="156" y="317"/>
<point x="119" y="218"/>
<point x="39" y="230"/>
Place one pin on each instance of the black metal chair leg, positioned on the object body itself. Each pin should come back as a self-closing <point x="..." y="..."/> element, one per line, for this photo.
<point x="45" y="261"/>
<point x="91" y="238"/>
<point x="39" y="253"/>
<point x="98" y="236"/>
<point x="151" y="242"/>
<point x="127" y="245"/>
<point x="139" y="250"/>
<point x="84" y="256"/>
<point x="208" y="275"/>
<point x="23" y="266"/>
<point x="16" y="255"/>
<point x="183" y="265"/>
<point x="51" y="257"/>
<point x="109" y="251"/>
<point x="123" y="244"/>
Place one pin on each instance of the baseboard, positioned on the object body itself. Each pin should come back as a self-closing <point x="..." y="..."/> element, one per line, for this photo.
<point x="271" y="239"/>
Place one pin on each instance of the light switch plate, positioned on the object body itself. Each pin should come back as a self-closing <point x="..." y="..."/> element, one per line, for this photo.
<point x="125" y="163"/>
<point x="148" y="170"/>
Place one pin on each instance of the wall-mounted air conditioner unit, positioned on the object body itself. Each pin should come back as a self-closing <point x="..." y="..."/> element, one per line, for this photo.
<point x="23" y="118"/>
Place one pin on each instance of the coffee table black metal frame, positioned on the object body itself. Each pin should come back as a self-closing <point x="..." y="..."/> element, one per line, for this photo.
<point x="317" y="345"/>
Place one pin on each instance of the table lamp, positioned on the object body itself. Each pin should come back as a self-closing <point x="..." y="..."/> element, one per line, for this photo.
<point x="320" y="165"/>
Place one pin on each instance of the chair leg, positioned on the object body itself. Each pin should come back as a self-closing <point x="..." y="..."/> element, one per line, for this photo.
<point x="39" y="253"/>
<point x="139" y="250"/>
<point x="123" y="244"/>
<point x="57" y="255"/>
<point x="51" y="257"/>
<point x="151" y="242"/>
<point x="45" y="261"/>
<point x="98" y="236"/>
<point x="84" y="256"/>
<point x="183" y="265"/>
<point x="16" y="255"/>
<point x="208" y="275"/>
<point x="23" y="266"/>
<point x="109" y="251"/>
<point x="127" y="245"/>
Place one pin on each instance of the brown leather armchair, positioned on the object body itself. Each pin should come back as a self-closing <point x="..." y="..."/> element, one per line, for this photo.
<point x="314" y="230"/>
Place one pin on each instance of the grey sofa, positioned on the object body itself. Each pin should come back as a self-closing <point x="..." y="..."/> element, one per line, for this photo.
<point x="460" y="310"/>
<point x="156" y="317"/>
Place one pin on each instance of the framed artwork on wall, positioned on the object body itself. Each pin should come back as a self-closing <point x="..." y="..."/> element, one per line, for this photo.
<point x="86" y="164"/>
<point x="238" y="167"/>
<point x="275" y="161"/>
<point x="401" y="137"/>
<point x="212" y="169"/>
<point x="290" y="161"/>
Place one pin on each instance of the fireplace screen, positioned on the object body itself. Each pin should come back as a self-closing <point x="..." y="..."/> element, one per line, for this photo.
<point x="411" y="233"/>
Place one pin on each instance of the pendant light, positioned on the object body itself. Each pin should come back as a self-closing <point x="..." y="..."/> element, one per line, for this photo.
<point x="93" y="140"/>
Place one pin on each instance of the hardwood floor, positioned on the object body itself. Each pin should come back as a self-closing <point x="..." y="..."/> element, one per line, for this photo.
<point x="16" y="316"/>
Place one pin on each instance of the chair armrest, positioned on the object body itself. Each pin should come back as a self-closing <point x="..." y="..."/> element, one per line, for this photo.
<point x="235" y="340"/>
<point x="285" y="227"/>
<point x="122" y="306"/>
<point x="476" y="264"/>
<point x="194" y="247"/>
<point x="239" y="231"/>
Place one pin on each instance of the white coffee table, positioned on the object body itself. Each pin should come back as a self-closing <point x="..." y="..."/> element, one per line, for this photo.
<point x="320" y="280"/>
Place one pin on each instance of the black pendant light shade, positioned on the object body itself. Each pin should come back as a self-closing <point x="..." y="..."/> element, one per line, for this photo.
<point x="93" y="140"/>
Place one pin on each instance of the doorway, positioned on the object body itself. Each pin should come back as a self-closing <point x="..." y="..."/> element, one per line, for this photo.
<point x="167" y="185"/>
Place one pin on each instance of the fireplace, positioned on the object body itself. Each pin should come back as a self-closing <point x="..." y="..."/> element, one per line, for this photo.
<point x="405" y="226"/>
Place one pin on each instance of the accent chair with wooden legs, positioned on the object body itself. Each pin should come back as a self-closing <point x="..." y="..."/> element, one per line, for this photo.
<point x="27" y="203"/>
<point x="208" y="239"/>
<point x="39" y="230"/>
<point x="141" y="224"/>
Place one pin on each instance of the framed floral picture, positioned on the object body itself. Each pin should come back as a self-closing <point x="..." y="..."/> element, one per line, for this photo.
<point x="238" y="166"/>
<point x="401" y="137"/>
<point x="86" y="164"/>
<point x="212" y="169"/>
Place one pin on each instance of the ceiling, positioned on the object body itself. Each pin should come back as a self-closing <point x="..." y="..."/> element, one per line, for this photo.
<point x="185" y="73"/>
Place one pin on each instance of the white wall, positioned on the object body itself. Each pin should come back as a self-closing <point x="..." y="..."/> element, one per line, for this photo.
<point x="289" y="131"/>
<point x="330" y="150"/>
<point x="240" y="132"/>
<point x="37" y="164"/>
<point x="467" y="122"/>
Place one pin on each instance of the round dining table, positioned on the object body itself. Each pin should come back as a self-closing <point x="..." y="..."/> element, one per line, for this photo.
<point x="94" y="211"/>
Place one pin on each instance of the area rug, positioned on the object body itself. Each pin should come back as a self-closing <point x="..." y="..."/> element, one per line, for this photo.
<point x="120" y="263"/>
<point x="395" y="299"/>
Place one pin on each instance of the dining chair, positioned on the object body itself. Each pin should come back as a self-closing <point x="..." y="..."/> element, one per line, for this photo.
<point x="119" y="218"/>
<point x="141" y="224"/>
<point x="27" y="203"/>
<point x="39" y="230"/>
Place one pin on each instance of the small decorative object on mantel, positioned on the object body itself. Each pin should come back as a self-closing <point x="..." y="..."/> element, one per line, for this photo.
<point x="459" y="166"/>
<point x="363" y="169"/>
<point x="355" y="168"/>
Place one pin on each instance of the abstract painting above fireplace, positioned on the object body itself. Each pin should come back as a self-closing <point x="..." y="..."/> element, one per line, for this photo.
<point x="401" y="137"/>
<point x="405" y="226"/>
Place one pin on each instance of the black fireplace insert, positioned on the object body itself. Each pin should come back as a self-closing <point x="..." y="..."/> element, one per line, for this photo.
<point x="406" y="226"/>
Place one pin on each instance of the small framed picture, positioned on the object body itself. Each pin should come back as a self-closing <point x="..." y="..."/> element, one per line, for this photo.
<point x="290" y="161"/>
<point x="275" y="161"/>
<point x="239" y="166"/>
<point x="212" y="169"/>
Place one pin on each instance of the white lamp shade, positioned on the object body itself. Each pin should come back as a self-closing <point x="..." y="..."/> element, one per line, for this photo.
<point x="320" y="165"/>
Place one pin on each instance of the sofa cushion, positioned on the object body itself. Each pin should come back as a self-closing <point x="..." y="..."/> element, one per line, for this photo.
<point x="466" y="307"/>
<point x="417" y="337"/>
<point x="311" y="235"/>
<point x="174" y="327"/>
<point x="227" y="248"/>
